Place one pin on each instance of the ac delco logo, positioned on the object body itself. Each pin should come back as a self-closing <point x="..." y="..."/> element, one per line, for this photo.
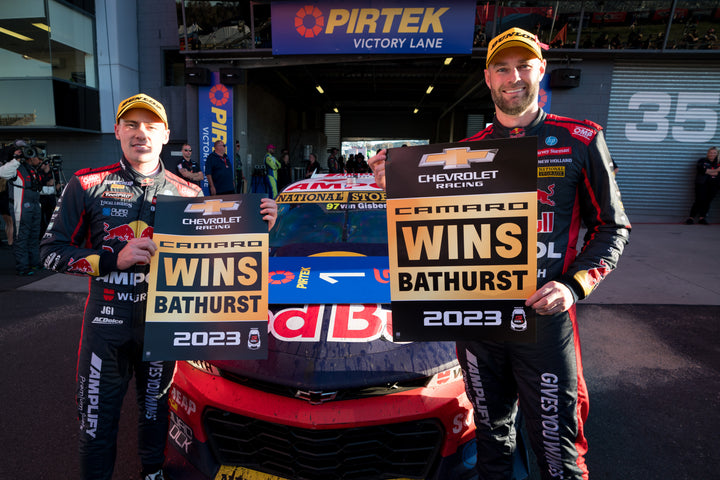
<point x="212" y="207"/>
<point x="453" y="158"/>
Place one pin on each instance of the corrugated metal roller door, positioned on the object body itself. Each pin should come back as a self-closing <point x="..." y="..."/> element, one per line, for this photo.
<point x="332" y="130"/>
<point x="662" y="118"/>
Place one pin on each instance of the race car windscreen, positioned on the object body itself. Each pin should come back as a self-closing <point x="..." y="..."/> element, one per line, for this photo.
<point x="310" y="228"/>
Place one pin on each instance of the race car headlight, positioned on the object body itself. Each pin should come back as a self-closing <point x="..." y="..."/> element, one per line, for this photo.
<point x="204" y="366"/>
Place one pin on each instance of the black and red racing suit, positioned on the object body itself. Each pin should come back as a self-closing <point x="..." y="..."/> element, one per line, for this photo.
<point x="99" y="211"/>
<point x="575" y="184"/>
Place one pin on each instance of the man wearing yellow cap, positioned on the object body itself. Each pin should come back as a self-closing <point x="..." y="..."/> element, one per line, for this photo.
<point x="103" y="228"/>
<point x="544" y="378"/>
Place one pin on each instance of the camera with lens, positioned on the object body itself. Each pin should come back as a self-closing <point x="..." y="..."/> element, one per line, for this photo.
<point x="31" y="151"/>
<point x="54" y="160"/>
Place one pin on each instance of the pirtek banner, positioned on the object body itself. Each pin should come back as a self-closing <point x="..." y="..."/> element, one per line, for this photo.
<point x="366" y="27"/>
<point x="462" y="228"/>
<point x="208" y="292"/>
<point x="215" y="121"/>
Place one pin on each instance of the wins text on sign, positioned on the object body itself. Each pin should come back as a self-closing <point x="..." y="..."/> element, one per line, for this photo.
<point x="221" y="271"/>
<point x="458" y="242"/>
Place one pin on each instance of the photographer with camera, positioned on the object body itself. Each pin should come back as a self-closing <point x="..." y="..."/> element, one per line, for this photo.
<point x="9" y="164"/>
<point x="26" y="175"/>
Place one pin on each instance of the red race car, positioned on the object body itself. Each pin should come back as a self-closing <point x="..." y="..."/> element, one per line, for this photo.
<point x="336" y="397"/>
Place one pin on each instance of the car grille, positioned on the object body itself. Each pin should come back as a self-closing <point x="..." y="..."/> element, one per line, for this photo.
<point x="355" y="393"/>
<point x="406" y="450"/>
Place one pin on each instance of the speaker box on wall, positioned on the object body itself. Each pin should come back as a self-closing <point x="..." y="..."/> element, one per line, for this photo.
<point x="197" y="76"/>
<point x="565" y="78"/>
<point x="232" y="76"/>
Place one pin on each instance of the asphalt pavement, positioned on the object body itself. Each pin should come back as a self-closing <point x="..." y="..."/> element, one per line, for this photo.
<point x="650" y="348"/>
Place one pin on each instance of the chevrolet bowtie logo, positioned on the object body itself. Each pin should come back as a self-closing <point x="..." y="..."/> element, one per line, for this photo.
<point x="316" y="397"/>
<point x="460" y="157"/>
<point x="212" y="207"/>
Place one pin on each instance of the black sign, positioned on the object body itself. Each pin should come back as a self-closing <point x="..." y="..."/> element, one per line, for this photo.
<point x="462" y="224"/>
<point x="208" y="287"/>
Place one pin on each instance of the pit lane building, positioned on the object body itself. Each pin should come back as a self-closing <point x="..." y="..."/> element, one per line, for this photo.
<point x="649" y="71"/>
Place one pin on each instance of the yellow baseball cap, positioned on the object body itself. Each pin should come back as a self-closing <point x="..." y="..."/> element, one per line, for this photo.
<point x="514" y="37"/>
<point x="142" y="101"/>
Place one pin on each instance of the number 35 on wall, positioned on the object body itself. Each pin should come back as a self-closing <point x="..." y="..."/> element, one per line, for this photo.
<point x="693" y="111"/>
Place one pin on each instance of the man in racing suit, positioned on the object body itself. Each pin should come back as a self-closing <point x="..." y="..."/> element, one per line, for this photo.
<point x="103" y="228"/>
<point x="575" y="184"/>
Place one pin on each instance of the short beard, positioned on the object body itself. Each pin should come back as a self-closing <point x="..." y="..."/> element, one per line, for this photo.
<point x="531" y="95"/>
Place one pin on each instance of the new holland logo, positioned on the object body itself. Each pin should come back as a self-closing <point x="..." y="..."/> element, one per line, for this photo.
<point x="212" y="207"/>
<point x="461" y="157"/>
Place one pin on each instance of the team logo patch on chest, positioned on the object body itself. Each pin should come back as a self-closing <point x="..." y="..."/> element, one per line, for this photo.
<point x="551" y="171"/>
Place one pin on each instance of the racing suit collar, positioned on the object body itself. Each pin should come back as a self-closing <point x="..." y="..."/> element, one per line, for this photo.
<point x="137" y="177"/>
<point x="513" y="132"/>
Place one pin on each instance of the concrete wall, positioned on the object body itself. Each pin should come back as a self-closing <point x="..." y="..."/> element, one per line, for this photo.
<point x="117" y="55"/>
<point x="591" y="99"/>
<point x="157" y="26"/>
<point x="266" y="122"/>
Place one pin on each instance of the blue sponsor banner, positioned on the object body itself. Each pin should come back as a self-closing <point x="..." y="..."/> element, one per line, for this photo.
<point x="309" y="280"/>
<point x="215" y="115"/>
<point x="372" y="26"/>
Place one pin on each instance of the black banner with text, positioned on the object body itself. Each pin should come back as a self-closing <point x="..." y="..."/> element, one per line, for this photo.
<point x="208" y="288"/>
<point x="462" y="225"/>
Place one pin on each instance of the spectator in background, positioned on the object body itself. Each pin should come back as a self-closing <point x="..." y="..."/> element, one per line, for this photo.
<point x="351" y="164"/>
<point x="188" y="168"/>
<point x="333" y="163"/>
<point x="273" y="166"/>
<point x="710" y="39"/>
<point x="361" y="165"/>
<point x="239" y="175"/>
<point x="285" y="172"/>
<point x="706" y="186"/>
<point x="218" y="170"/>
<point x="312" y="167"/>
